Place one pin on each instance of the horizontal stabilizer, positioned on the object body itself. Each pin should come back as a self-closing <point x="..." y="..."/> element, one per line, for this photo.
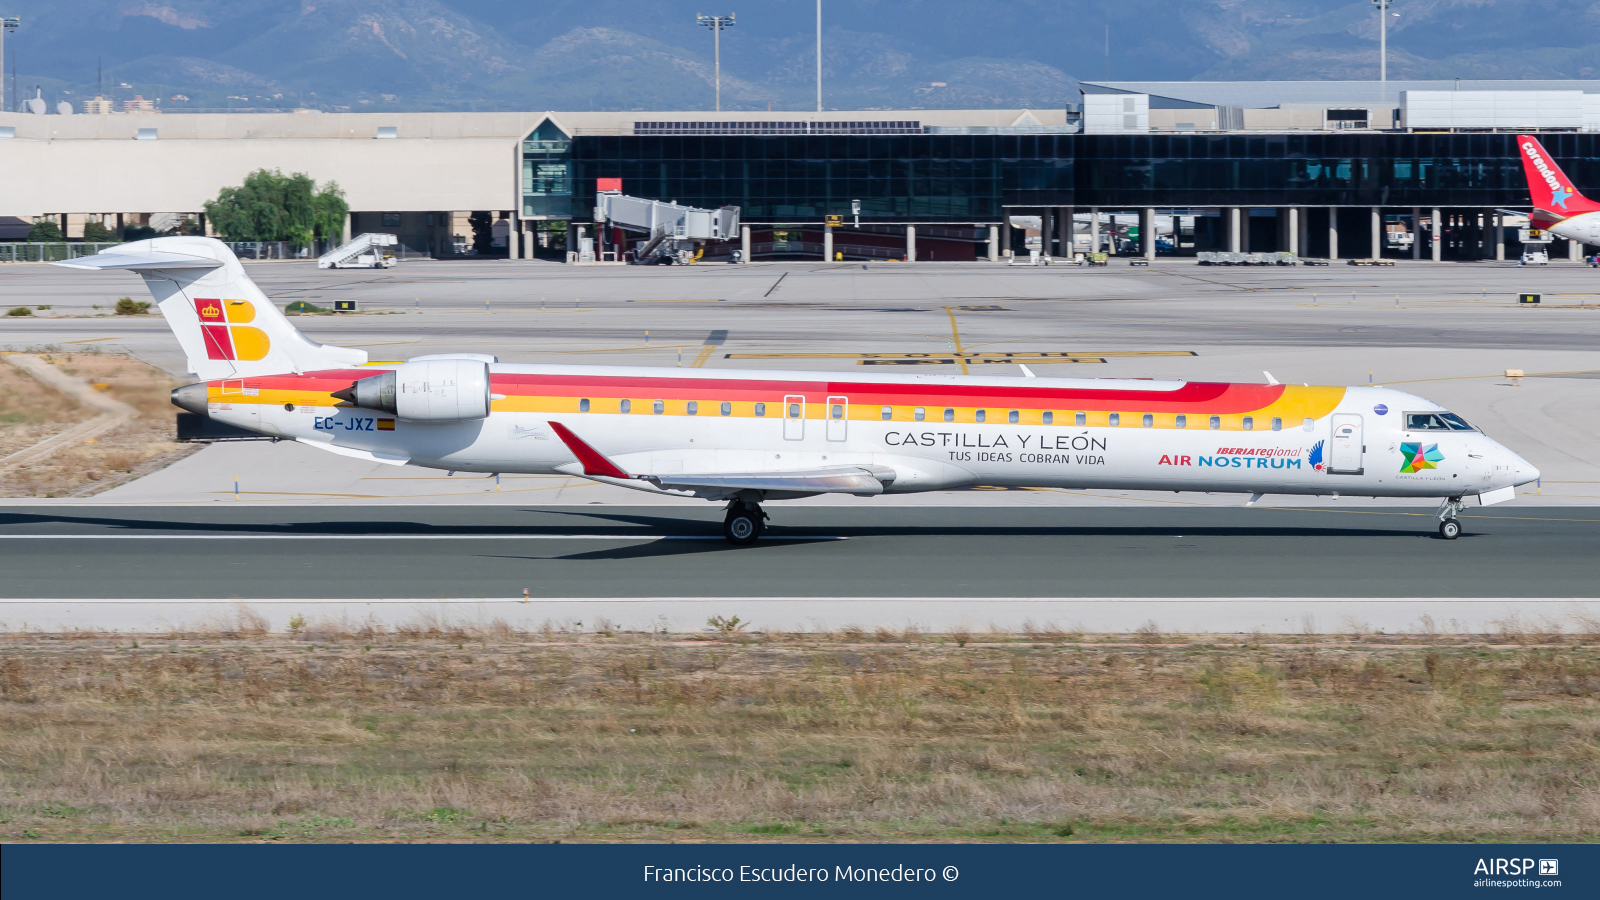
<point x="149" y="260"/>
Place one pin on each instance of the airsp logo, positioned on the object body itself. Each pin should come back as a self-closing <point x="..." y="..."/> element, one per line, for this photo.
<point x="1503" y="866"/>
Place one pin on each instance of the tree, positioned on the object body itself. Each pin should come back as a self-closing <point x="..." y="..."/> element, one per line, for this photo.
<point x="96" y="233"/>
<point x="329" y="212"/>
<point x="272" y="206"/>
<point x="45" y="231"/>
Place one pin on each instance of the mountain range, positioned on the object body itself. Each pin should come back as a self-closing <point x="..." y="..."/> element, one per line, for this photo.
<point x="417" y="55"/>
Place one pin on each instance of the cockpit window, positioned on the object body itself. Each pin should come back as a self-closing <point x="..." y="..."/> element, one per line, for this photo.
<point x="1436" y="421"/>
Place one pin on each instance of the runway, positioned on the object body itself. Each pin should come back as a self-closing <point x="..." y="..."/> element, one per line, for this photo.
<point x="428" y="552"/>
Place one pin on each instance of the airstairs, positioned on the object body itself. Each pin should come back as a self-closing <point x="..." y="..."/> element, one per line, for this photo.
<point x="363" y="252"/>
<point x="674" y="231"/>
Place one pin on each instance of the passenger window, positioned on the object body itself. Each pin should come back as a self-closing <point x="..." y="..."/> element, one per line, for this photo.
<point x="980" y="415"/>
<point x="1216" y="422"/>
<point x="837" y="411"/>
<point x="1049" y="417"/>
<point x="761" y="410"/>
<point x="1277" y="424"/>
<point x="1116" y="420"/>
<point x="1249" y="423"/>
<point x="888" y="413"/>
<point x="727" y="409"/>
<point x="794" y="410"/>
<point x="583" y="405"/>
<point x="1426" y="422"/>
<point x="660" y="407"/>
<point x="919" y="414"/>
<point x="1013" y="417"/>
<point x="626" y="406"/>
<point x="1149" y="420"/>
<point x="1309" y="425"/>
<point x="1080" y="419"/>
<point x="694" y="408"/>
<point x="1181" y="421"/>
<point x="949" y="415"/>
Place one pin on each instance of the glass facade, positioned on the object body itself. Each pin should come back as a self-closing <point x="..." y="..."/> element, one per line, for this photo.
<point x="547" y="173"/>
<point x="971" y="178"/>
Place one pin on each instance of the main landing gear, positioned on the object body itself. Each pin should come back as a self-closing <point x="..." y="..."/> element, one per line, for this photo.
<point x="1449" y="525"/>
<point x="744" y="523"/>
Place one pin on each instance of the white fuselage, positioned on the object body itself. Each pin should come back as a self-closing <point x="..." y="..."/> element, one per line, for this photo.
<point x="1359" y="447"/>
<point x="1584" y="228"/>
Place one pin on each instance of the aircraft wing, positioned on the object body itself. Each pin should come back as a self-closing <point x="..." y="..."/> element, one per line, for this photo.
<point x="861" y="480"/>
<point x="149" y="259"/>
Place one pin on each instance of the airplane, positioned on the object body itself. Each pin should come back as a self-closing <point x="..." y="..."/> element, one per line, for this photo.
<point x="1558" y="207"/>
<point x="745" y="437"/>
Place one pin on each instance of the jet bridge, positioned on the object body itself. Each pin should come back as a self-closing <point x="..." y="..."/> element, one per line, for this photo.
<point x="674" y="231"/>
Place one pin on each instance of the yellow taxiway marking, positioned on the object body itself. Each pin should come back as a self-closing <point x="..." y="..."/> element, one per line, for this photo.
<point x="705" y="354"/>
<point x="1502" y="375"/>
<point x="90" y="340"/>
<point x="955" y="337"/>
<point x="975" y="356"/>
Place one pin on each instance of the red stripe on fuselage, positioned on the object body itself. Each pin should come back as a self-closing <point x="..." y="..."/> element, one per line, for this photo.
<point x="1195" y="397"/>
<point x="1209" y="397"/>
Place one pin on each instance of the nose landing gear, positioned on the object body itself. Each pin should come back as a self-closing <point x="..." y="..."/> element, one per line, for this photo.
<point x="1449" y="525"/>
<point x="744" y="522"/>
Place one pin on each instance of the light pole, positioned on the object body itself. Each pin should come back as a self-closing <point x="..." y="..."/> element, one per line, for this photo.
<point x="819" y="55"/>
<point x="716" y="24"/>
<point x="1383" y="39"/>
<point x="10" y="23"/>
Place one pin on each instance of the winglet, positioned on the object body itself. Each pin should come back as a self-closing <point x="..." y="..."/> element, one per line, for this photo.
<point x="593" y="462"/>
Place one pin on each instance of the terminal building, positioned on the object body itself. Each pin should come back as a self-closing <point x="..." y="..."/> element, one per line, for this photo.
<point x="1322" y="169"/>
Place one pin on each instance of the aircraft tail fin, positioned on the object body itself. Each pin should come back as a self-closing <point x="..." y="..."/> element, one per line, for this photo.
<point x="227" y="326"/>
<point x="1554" y="196"/>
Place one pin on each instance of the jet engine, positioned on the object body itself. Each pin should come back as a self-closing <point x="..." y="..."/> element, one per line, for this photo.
<point x="431" y="390"/>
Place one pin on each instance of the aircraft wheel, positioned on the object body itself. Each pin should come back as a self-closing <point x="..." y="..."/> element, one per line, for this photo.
<point x="1450" y="529"/>
<point x="742" y="526"/>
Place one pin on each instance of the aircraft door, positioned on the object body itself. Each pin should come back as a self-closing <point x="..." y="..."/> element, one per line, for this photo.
<point x="838" y="417"/>
<point x="794" y="417"/>
<point x="1345" y="449"/>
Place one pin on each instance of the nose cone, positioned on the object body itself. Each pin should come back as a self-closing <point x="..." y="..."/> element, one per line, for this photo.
<point x="191" y="398"/>
<point x="1521" y="471"/>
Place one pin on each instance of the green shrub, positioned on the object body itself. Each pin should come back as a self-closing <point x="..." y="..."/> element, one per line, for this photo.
<point x="45" y="232"/>
<point x="301" y="308"/>
<point x="95" y="233"/>
<point x="20" y="311"/>
<point x="127" y="306"/>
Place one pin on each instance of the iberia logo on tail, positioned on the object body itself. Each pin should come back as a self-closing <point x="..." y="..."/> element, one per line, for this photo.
<point x="1549" y="187"/>
<point x="222" y="323"/>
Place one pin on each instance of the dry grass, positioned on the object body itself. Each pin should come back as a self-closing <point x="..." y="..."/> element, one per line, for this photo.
<point x="442" y="731"/>
<point x="31" y="411"/>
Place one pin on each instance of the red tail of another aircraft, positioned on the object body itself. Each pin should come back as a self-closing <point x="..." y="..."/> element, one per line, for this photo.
<point x="1554" y="197"/>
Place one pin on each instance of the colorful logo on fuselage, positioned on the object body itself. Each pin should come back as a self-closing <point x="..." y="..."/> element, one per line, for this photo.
<point x="1419" y="457"/>
<point x="1315" y="456"/>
